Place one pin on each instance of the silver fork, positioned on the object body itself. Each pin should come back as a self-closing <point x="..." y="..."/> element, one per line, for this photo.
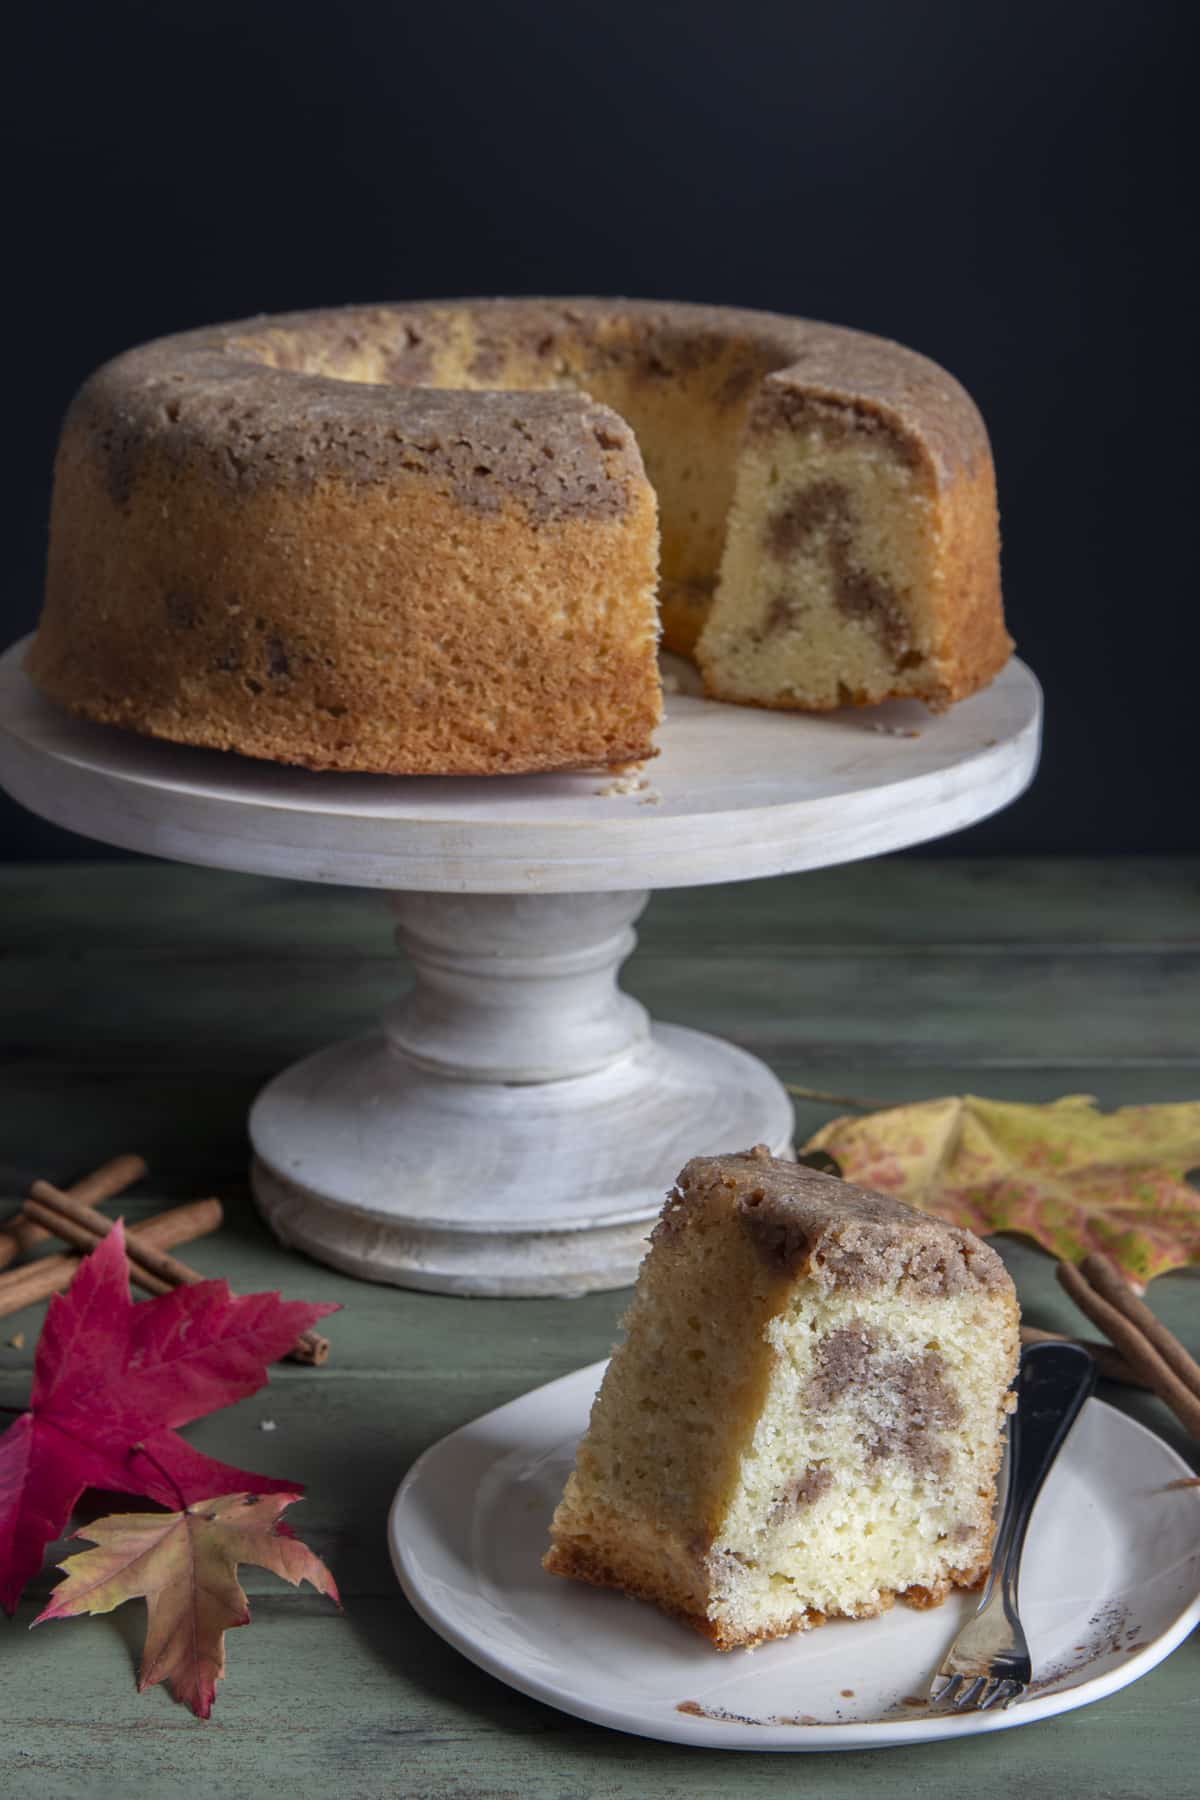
<point x="988" y="1663"/>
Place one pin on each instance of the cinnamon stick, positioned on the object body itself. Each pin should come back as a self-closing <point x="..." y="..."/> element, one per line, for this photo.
<point x="168" y="1272"/>
<point x="1134" y="1345"/>
<point x="1110" y="1363"/>
<point x="1111" y="1285"/>
<point x="152" y="1269"/>
<point x="83" y="1239"/>
<point x="48" y="1275"/>
<point x="19" y="1236"/>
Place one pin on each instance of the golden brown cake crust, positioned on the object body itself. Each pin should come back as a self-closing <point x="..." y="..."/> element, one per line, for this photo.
<point x="351" y="577"/>
<point x="578" y="1562"/>
<point x="802" y="1221"/>
<point x="261" y="426"/>
<point x="404" y="539"/>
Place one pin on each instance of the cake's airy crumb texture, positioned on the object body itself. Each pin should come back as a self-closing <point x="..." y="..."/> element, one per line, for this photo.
<point x="805" y="1418"/>
<point x="425" y="539"/>
<point x="852" y="572"/>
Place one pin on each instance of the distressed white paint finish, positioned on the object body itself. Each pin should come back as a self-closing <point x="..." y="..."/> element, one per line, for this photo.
<point x="513" y="1127"/>
<point x="516" y="1124"/>
<point x="518" y="987"/>
<point x="397" y="1173"/>
<point x="735" y="792"/>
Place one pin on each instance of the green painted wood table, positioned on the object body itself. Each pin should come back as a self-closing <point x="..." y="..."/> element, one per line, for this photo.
<point x="142" y="1006"/>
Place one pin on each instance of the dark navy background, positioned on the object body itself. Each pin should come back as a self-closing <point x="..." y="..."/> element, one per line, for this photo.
<point x="1003" y="187"/>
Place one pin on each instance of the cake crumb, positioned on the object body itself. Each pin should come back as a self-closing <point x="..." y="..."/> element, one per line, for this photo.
<point x="17" y="1341"/>
<point x="266" y="1425"/>
<point x="651" y="799"/>
<point x="633" y="783"/>
<point x="899" y="731"/>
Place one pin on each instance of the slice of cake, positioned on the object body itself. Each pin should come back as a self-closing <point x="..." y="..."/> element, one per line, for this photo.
<point x="805" y="1417"/>
<point x="860" y="556"/>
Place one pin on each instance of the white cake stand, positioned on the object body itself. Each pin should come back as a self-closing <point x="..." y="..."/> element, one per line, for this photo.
<point x="512" y="1127"/>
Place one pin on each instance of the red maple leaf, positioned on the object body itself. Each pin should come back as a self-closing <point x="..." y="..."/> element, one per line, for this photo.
<point x="112" y="1378"/>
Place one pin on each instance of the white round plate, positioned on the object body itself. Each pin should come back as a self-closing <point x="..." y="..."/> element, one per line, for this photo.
<point x="735" y="792"/>
<point x="1110" y="1585"/>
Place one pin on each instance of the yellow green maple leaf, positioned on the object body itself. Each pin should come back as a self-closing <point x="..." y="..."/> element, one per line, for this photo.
<point x="184" y="1566"/>
<point x="1065" y="1174"/>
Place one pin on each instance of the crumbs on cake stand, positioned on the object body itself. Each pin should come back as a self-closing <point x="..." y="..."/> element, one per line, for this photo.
<point x="634" y="782"/>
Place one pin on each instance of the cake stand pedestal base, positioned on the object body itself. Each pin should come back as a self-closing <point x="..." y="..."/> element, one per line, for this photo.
<point x="515" y="1125"/>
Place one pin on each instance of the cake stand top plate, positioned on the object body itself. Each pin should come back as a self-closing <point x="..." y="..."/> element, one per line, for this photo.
<point x="735" y="792"/>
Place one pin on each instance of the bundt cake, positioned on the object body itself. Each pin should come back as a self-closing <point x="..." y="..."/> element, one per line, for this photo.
<point x="805" y="1417"/>
<point x="423" y="539"/>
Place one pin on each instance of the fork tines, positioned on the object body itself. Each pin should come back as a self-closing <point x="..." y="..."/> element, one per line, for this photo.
<point x="980" y="1694"/>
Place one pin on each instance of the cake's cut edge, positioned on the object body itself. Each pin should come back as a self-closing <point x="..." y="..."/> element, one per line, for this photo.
<point x="861" y="561"/>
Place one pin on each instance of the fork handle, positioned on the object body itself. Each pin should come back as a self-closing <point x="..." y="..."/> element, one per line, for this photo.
<point x="1053" y="1382"/>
